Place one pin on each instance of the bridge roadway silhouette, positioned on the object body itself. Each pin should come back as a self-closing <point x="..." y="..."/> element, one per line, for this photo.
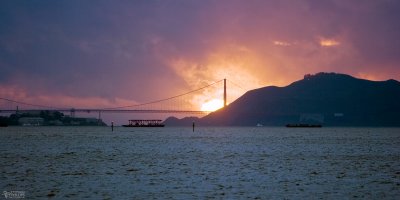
<point x="85" y="110"/>
<point x="121" y="109"/>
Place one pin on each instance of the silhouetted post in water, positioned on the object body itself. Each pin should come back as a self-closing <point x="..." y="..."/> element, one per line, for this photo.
<point x="224" y="92"/>
<point x="193" y="126"/>
<point x="112" y="126"/>
<point x="98" y="121"/>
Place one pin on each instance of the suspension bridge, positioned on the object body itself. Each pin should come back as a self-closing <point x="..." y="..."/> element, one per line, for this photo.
<point x="179" y="104"/>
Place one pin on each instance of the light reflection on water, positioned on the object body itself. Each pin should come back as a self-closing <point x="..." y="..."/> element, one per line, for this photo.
<point x="176" y="163"/>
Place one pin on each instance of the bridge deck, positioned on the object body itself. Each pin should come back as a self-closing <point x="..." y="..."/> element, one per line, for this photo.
<point x="82" y="110"/>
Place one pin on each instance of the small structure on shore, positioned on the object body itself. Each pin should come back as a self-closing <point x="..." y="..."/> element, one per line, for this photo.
<point x="144" y="123"/>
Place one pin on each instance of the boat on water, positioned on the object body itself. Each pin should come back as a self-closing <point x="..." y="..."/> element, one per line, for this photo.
<point x="144" y="123"/>
<point x="303" y="125"/>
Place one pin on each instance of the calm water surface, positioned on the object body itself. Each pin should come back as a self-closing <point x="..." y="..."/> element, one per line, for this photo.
<point x="221" y="163"/>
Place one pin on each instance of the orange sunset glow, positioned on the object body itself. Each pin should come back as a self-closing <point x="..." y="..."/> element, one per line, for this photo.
<point x="200" y="99"/>
<point x="212" y="105"/>
<point x="140" y="54"/>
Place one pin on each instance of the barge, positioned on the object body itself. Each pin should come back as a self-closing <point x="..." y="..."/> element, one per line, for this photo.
<point x="144" y="123"/>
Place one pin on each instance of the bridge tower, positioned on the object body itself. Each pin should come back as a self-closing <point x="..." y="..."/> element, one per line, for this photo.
<point x="224" y="92"/>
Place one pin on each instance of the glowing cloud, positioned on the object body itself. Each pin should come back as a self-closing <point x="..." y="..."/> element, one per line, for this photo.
<point x="139" y="52"/>
<point x="281" y="43"/>
<point x="328" y="42"/>
<point x="238" y="64"/>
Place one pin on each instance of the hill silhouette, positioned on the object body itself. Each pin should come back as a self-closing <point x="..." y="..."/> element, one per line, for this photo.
<point x="329" y="99"/>
<point x="187" y="121"/>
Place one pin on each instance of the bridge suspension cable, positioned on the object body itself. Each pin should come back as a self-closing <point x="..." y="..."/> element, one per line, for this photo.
<point x="166" y="99"/>
<point x="237" y="85"/>
<point x="154" y="105"/>
<point x="30" y="104"/>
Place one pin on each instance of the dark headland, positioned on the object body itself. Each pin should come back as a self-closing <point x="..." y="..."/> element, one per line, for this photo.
<point x="329" y="99"/>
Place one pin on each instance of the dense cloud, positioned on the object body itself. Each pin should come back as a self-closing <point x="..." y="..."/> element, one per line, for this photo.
<point x="135" y="51"/>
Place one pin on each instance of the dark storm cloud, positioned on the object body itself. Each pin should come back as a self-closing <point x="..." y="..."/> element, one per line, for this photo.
<point x="88" y="48"/>
<point x="375" y="32"/>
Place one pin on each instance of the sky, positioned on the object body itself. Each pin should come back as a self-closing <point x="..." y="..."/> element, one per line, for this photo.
<point x="91" y="54"/>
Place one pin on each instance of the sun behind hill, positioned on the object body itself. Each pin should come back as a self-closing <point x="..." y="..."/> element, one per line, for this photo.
<point x="212" y="105"/>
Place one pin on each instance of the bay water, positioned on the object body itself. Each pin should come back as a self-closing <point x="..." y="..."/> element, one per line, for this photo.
<point x="211" y="162"/>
